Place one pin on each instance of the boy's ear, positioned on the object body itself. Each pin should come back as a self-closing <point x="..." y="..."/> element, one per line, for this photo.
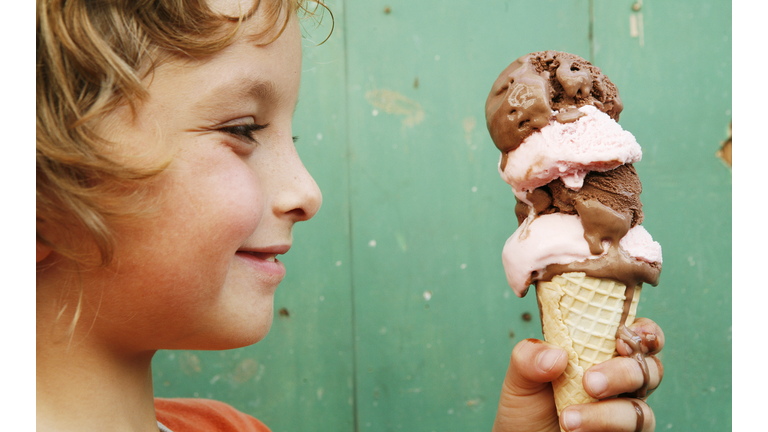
<point x="42" y="251"/>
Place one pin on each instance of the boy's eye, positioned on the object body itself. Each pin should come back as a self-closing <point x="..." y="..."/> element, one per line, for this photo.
<point x="244" y="130"/>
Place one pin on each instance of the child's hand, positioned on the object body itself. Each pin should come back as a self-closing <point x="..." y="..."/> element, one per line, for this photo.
<point x="527" y="403"/>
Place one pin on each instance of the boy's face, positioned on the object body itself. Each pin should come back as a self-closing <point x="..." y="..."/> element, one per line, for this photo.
<point x="202" y="273"/>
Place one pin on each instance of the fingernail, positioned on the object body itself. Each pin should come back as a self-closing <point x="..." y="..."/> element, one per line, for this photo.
<point x="626" y="347"/>
<point x="597" y="383"/>
<point x="548" y="358"/>
<point x="571" y="420"/>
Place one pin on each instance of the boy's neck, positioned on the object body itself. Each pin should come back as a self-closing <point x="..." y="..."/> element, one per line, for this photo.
<point x="83" y="386"/>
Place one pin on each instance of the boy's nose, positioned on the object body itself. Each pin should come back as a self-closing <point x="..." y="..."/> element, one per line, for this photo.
<point x="300" y="197"/>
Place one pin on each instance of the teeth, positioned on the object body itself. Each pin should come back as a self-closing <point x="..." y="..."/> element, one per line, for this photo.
<point x="269" y="257"/>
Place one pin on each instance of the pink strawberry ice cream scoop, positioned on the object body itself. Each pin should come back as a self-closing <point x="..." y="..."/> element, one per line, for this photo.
<point x="554" y="116"/>
<point x="569" y="151"/>
<point x="558" y="238"/>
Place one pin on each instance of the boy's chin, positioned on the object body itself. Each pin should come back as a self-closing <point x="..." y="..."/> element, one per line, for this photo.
<point x="232" y="339"/>
<point x="248" y="339"/>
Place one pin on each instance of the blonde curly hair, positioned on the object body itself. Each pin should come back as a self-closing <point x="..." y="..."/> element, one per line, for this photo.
<point x="91" y="58"/>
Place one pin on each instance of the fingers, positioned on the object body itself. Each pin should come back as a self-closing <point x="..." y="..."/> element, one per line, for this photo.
<point x="625" y="375"/>
<point x="650" y="333"/>
<point x="527" y="401"/>
<point x="534" y="363"/>
<point x="613" y="415"/>
<point x="621" y="375"/>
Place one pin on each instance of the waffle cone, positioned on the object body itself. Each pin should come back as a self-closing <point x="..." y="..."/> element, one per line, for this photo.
<point x="581" y="315"/>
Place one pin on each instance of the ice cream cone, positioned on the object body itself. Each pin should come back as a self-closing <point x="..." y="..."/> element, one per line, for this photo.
<point x="581" y="315"/>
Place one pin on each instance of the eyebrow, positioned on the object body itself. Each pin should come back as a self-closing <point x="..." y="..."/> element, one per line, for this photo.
<point x="241" y="89"/>
<point x="260" y="89"/>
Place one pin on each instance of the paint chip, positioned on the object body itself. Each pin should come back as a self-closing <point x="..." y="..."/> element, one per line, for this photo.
<point x="245" y="370"/>
<point x="190" y="364"/>
<point x="469" y="124"/>
<point x="724" y="152"/>
<point x="401" y="242"/>
<point x="393" y="102"/>
<point x="372" y="243"/>
<point x="474" y="402"/>
<point x="427" y="295"/>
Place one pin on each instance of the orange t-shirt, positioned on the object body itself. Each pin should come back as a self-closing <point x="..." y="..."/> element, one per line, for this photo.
<point x="204" y="415"/>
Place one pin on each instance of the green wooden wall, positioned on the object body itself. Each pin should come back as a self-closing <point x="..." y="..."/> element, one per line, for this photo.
<point x="395" y="312"/>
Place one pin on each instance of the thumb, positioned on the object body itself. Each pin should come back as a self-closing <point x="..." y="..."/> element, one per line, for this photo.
<point x="527" y="402"/>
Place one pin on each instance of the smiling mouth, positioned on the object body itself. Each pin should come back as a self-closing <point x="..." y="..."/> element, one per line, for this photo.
<point x="269" y="257"/>
<point x="267" y="254"/>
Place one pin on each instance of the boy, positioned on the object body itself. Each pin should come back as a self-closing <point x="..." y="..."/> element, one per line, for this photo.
<point x="167" y="187"/>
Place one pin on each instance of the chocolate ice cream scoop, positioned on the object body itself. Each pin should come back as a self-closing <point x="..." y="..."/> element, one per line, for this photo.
<point x="618" y="189"/>
<point x="527" y="93"/>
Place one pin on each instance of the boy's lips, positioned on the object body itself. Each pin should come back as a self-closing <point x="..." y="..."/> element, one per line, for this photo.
<point x="271" y="257"/>
<point x="265" y="259"/>
<point x="266" y="251"/>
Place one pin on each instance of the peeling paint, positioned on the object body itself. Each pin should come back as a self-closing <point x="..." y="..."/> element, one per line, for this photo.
<point x="393" y="102"/>
<point x="246" y="370"/>
<point x="636" y="27"/>
<point x="469" y="124"/>
<point x="401" y="242"/>
<point x="474" y="402"/>
<point x="190" y="364"/>
<point x="724" y="153"/>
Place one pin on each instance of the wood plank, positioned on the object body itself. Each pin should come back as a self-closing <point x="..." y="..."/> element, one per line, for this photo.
<point x="433" y="312"/>
<point x="674" y="77"/>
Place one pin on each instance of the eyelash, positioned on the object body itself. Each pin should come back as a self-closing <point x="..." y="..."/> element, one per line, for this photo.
<point x="245" y="131"/>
